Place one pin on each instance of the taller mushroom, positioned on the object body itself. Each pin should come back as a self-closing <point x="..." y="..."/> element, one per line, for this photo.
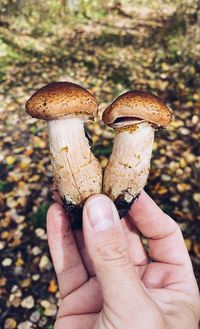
<point x="77" y="173"/>
<point x="134" y="115"/>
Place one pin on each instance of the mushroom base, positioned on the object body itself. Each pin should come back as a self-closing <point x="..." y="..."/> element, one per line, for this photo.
<point x="124" y="206"/>
<point x="75" y="213"/>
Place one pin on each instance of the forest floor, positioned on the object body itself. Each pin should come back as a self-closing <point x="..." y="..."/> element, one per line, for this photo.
<point x="109" y="56"/>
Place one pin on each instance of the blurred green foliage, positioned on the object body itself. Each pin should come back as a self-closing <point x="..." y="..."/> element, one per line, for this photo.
<point x="2" y="185"/>
<point x="38" y="218"/>
<point x="48" y="18"/>
<point x="40" y="16"/>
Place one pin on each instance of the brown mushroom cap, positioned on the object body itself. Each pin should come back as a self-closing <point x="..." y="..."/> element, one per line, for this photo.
<point x="138" y="104"/>
<point x="59" y="99"/>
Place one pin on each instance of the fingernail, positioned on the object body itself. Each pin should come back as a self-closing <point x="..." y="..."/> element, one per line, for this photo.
<point x="100" y="213"/>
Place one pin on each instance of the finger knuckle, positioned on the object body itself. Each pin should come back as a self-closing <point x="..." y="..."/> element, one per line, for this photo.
<point x="177" y="228"/>
<point x="113" y="250"/>
<point x="173" y="226"/>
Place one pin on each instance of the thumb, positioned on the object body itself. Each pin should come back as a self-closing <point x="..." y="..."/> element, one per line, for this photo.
<point x="106" y="244"/>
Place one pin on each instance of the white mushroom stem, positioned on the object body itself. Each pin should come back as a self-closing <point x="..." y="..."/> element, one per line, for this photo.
<point x="128" y="167"/>
<point x="77" y="173"/>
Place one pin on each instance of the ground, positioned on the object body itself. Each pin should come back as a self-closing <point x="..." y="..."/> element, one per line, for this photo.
<point x="128" y="48"/>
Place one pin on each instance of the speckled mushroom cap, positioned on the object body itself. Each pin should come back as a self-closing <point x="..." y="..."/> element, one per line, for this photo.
<point x="59" y="99"/>
<point x="138" y="104"/>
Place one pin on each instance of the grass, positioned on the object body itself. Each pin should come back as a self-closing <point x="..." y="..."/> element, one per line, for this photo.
<point x="38" y="219"/>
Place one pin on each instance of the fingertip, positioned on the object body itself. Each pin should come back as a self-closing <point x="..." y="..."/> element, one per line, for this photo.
<point x="143" y="203"/>
<point x="62" y="247"/>
<point x="96" y="197"/>
<point x="143" y="196"/>
<point x="56" y="216"/>
<point x="99" y="203"/>
<point x="99" y="214"/>
<point x="53" y="210"/>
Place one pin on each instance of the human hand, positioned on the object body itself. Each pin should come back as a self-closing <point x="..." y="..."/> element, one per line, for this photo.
<point x="105" y="277"/>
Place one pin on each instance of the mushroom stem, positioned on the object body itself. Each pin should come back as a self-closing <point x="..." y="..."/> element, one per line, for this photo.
<point x="77" y="173"/>
<point x="128" y="167"/>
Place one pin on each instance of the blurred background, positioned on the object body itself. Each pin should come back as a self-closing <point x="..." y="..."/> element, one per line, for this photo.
<point x="108" y="47"/>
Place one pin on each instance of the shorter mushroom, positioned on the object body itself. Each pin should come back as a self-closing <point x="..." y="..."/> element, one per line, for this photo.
<point x="77" y="173"/>
<point x="134" y="115"/>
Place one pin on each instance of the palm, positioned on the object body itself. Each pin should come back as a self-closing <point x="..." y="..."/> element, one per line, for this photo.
<point x="80" y="291"/>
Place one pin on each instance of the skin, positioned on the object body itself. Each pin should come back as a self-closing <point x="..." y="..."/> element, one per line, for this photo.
<point x="105" y="278"/>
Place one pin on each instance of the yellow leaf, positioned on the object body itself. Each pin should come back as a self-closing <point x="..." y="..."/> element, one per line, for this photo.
<point x="5" y="235"/>
<point x="188" y="244"/>
<point x="19" y="149"/>
<point x="10" y="160"/>
<point x="104" y="162"/>
<point x="14" y="176"/>
<point x="3" y="281"/>
<point x="162" y="190"/>
<point x="176" y="123"/>
<point x="105" y="142"/>
<point x="182" y="163"/>
<point x="29" y="151"/>
<point x="181" y="85"/>
<point x="196" y="97"/>
<point x="165" y="66"/>
<point x="39" y="142"/>
<point x="26" y="282"/>
<point x="155" y="146"/>
<point x="95" y="138"/>
<point x="25" y="163"/>
<point x="196" y="197"/>
<point x="52" y="286"/>
<point x="189" y="157"/>
<point x="189" y="103"/>
<point x="182" y="187"/>
<point x="34" y="178"/>
<point x="21" y="184"/>
<point x="19" y="261"/>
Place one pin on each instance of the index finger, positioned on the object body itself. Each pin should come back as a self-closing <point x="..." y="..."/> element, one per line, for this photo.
<point x="164" y="237"/>
<point x="67" y="261"/>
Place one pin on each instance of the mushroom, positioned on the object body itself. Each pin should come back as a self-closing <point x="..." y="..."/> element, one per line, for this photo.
<point x="134" y="115"/>
<point x="77" y="173"/>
